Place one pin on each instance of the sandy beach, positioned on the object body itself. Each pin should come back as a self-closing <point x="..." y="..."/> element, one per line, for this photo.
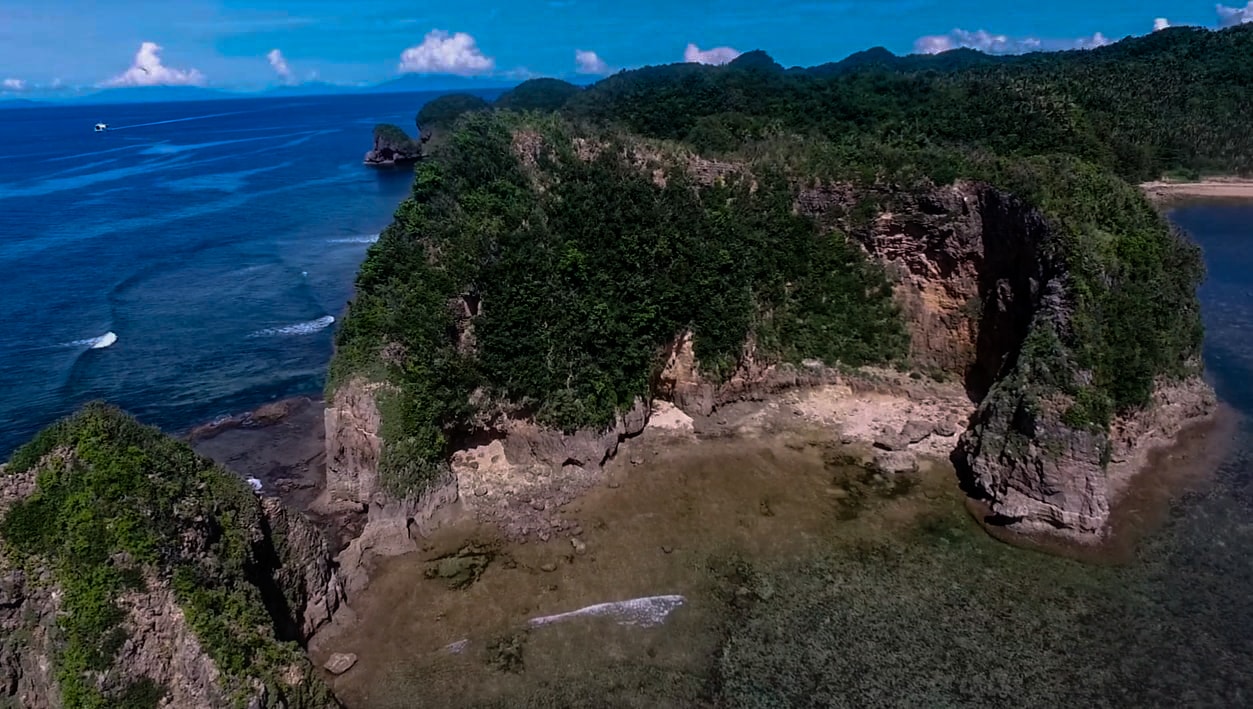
<point x="1215" y="188"/>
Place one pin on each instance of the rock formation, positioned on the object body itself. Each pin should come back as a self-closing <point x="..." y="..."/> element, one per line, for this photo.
<point x="215" y="619"/>
<point x="392" y="146"/>
<point x="974" y="275"/>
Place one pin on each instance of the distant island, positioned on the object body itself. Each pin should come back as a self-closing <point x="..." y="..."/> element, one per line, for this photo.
<point x="963" y="235"/>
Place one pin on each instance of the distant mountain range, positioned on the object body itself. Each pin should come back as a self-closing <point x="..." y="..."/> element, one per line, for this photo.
<point x="152" y="94"/>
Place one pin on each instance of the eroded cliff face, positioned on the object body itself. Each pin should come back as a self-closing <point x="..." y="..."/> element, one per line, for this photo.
<point x="974" y="272"/>
<point x="158" y="647"/>
<point x="28" y="611"/>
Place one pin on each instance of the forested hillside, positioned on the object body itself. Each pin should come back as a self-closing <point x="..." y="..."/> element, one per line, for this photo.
<point x="1174" y="100"/>
<point x="544" y="261"/>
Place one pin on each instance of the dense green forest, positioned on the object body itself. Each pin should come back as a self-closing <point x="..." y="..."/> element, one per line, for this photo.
<point x="586" y="265"/>
<point x="1174" y="100"/>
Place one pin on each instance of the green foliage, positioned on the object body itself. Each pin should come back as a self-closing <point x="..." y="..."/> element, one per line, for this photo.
<point x="395" y="137"/>
<point x="543" y="95"/>
<point x="1140" y="108"/>
<point x="116" y="502"/>
<point x="443" y="112"/>
<point x="586" y="268"/>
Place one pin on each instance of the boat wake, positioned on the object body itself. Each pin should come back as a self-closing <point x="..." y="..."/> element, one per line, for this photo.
<point x="95" y="343"/>
<point x="301" y="328"/>
<point x="645" y="612"/>
<point x="363" y="239"/>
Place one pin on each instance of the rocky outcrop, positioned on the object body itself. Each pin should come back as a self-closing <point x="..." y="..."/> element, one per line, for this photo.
<point x="681" y="382"/>
<point x="241" y="578"/>
<point x="976" y="271"/>
<point x="1036" y="474"/>
<point x="28" y="613"/>
<point x="310" y="581"/>
<point x="353" y="445"/>
<point x="392" y="147"/>
<point x="527" y="443"/>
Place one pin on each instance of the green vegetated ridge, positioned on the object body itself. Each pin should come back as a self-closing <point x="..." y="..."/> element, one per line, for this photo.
<point x="396" y="137"/>
<point x="119" y="506"/>
<point x="586" y="267"/>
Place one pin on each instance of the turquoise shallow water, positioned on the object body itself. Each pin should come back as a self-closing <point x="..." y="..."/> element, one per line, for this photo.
<point x="214" y="240"/>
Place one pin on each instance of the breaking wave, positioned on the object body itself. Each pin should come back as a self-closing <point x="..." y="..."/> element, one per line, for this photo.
<point x="363" y="239"/>
<point x="95" y="343"/>
<point x="301" y="328"/>
<point x="643" y="612"/>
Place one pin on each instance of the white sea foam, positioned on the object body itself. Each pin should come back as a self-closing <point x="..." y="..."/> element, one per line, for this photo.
<point x="643" y="612"/>
<point x="363" y="239"/>
<point x="95" y="343"/>
<point x="301" y="328"/>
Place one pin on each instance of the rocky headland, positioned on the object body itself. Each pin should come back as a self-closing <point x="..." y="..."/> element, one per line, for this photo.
<point x="392" y="146"/>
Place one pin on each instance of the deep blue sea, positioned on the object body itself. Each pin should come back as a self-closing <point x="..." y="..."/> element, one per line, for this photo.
<point x="187" y="263"/>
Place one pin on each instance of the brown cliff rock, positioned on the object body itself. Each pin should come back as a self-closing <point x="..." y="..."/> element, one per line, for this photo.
<point x="353" y="445"/>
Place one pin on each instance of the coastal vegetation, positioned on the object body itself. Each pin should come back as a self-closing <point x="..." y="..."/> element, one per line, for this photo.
<point x="576" y="306"/>
<point x="545" y="95"/>
<point x="442" y="112"/>
<point x="583" y="234"/>
<point x="121" y="509"/>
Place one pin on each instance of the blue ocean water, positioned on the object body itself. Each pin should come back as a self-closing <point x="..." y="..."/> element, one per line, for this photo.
<point x="187" y="263"/>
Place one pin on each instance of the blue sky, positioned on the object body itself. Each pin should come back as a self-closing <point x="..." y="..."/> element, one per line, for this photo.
<point x="232" y="43"/>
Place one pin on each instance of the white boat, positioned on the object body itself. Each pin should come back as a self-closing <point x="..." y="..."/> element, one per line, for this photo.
<point x="101" y="127"/>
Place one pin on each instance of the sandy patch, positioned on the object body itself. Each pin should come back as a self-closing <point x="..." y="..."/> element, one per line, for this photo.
<point x="867" y="417"/>
<point x="1218" y="188"/>
<point x="668" y="417"/>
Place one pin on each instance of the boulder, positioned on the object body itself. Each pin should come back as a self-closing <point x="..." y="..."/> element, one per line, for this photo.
<point x="340" y="662"/>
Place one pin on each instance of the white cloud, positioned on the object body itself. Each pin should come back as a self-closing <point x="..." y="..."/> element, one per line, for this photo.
<point x="989" y="43"/>
<point x="1160" y="24"/>
<point x="279" y="63"/>
<point x="1096" y="40"/>
<point x="1232" y="16"/>
<point x="716" y="55"/>
<point x="13" y="84"/>
<point x="147" y="70"/>
<point x="588" y="62"/>
<point x="444" y="53"/>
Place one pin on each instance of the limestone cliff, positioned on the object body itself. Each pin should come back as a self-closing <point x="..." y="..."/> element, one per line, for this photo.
<point x="135" y="573"/>
<point x="976" y="271"/>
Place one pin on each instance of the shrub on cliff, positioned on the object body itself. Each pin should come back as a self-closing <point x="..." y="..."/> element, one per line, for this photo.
<point x="119" y="506"/>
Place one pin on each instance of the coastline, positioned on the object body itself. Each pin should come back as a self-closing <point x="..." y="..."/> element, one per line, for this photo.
<point x="1217" y="188"/>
